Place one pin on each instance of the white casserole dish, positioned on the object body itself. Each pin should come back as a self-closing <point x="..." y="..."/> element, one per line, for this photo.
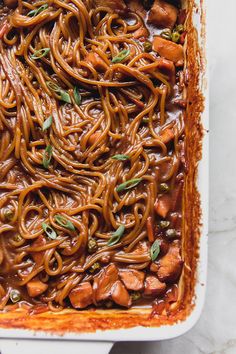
<point x="24" y="341"/>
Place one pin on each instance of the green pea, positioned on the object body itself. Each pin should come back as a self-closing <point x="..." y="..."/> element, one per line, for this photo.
<point x="147" y="47"/>
<point x="171" y="233"/>
<point x="175" y="37"/>
<point x="163" y="187"/>
<point x="166" y="33"/>
<point x="164" y="224"/>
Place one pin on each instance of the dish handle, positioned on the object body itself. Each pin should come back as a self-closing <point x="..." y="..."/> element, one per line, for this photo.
<point x="34" y="346"/>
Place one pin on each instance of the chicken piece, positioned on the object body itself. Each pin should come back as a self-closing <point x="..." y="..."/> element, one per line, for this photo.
<point x="137" y="7"/>
<point x="11" y="3"/>
<point x="167" y="67"/>
<point x="38" y="256"/>
<point x="167" y="135"/>
<point x="36" y="287"/>
<point x="81" y="296"/>
<point x="104" y="282"/>
<point x="115" y="5"/>
<point x="162" y="205"/>
<point x="163" y="14"/>
<point x="170" y="266"/>
<point x="120" y="295"/>
<point x="94" y="138"/>
<point x="96" y="61"/>
<point x="141" y="248"/>
<point x="153" y="286"/>
<point x="169" y="50"/>
<point x="133" y="279"/>
<point x="141" y="33"/>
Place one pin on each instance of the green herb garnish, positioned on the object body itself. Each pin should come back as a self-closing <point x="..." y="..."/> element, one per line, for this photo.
<point x="128" y="184"/>
<point x="61" y="220"/>
<point x="121" y="56"/>
<point x="40" y="53"/>
<point x="64" y="95"/>
<point x="37" y="11"/>
<point x="47" y="123"/>
<point x="116" y="236"/>
<point x="77" y="96"/>
<point x="47" y="156"/>
<point x="155" y="250"/>
<point x="49" y="231"/>
<point x="120" y="157"/>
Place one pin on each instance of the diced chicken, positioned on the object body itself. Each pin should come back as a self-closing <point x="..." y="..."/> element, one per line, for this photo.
<point x="81" y="296"/>
<point x="141" y="32"/>
<point x="153" y="286"/>
<point x="120" y="295"/>
<point x="36" y="287"/>
<point x="115" y="5"/>
<point x="167" y="67"/>
<point x="104" y="282"/>
<point x="170" y="266"/>
<point x="163" y="14"/>
<point x="133" y="279"/>
<point x="96" y="61"/>
<point x="94" y="138"/>
<point x="169" y="50"/>
<point x="11" y="3"/>
<point x="162" y="205"/>
<point x="38" y="256"/>
<point x="141" y="248"/>
<point x="137" y="7"/>
<point x="167" y="135"/>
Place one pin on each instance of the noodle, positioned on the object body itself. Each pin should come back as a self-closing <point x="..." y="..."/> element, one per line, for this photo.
<point x="75" y="126"/>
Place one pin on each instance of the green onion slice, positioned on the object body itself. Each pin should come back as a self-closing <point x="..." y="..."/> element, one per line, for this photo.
<point x="155" y="250"/>
<point x="116" y="236"/>
<point x="37" y="11"/>
<point x="121" y="56"/>
<point x="47" y="123"/>
<point x="40" y="53"/>
<point x="120" y="157"/>
<point x="128" y="184"/>
<point x="49" y="231"/>
<point x="47" y="156"/>
<point x="77" y="96"/>
<point x="64" y="96"/>
<point x="61" y="220"/>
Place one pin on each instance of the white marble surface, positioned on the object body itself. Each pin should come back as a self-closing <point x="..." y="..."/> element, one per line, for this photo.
<point x="215" y="333"/>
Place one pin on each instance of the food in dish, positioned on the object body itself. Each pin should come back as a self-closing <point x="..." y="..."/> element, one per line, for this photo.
<point x="92" y="153"/>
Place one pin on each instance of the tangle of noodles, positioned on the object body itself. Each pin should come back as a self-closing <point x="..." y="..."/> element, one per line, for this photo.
<point x="67" y="107"/>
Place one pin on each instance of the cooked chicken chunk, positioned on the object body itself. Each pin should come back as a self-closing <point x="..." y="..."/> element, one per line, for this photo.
<point x="133" y="279"/>
<point x="153" y="286"/>
<point x="163" y="14"/>
<point x="36" y="287"/>
<point x="120" y="295"/>
<point x="81" y="296"/>
<point x="170" y="266"/>
<point x="104" y="282"/>
<point x="168" y="50"/>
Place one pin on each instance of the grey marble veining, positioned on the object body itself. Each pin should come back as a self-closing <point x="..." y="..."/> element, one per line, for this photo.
<point x="215" y="333"/>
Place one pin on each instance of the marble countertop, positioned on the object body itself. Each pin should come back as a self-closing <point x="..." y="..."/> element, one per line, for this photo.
<point x="215" y="333"/>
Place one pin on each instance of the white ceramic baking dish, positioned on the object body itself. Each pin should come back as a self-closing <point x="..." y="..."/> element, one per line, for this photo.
<point x="19" y="341"/>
